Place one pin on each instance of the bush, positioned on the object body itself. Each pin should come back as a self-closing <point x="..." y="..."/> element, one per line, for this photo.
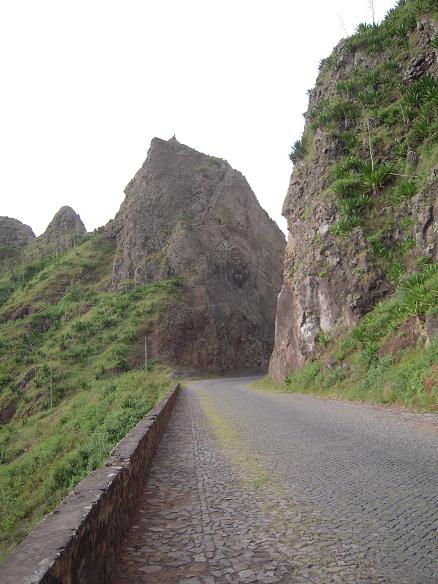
<point x="374" y="177"/>
<point x="325" y="112"/>
<point x="423" y="91"/>
<point x="343" y="168"/>
<point x="345" y="226"/>
<point x="298" y="151"/>
<point x="406" y="188"/>
<point x="345" y="188"/>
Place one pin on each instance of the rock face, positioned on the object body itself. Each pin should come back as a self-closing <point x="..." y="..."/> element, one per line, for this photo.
<point x="61" y="232"/>
<point x="331" y="281"/>
<point x="14" y="234"/>
<point x="191" y="215"/>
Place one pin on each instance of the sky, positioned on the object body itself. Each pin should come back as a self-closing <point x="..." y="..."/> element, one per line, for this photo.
<point x="86" y="85"/>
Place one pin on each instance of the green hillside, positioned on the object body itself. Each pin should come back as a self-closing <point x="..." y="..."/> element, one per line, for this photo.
<point x="71" y="375"/>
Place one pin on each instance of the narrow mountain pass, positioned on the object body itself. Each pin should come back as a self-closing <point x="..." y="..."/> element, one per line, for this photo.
<point x="255" y="487"/>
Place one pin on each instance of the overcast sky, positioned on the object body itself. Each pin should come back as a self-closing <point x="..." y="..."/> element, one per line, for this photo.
<point x="86" y="85"/>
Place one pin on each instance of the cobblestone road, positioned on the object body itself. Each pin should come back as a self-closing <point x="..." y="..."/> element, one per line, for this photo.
<point x="255" y="487"/>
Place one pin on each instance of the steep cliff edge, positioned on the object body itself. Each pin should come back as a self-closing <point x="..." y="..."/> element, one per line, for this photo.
<point x="362" y="206"/>
<point x="192" y="216"/>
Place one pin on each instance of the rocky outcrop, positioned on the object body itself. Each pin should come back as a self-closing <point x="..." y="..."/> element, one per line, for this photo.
<point x="331" y="281"/>
<point x="63" y="230"/>
<point x="191" y="215"/>
<point x="14" y="234"/>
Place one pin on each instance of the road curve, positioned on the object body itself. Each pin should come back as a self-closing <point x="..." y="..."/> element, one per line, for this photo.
<point x="318" y="491"/>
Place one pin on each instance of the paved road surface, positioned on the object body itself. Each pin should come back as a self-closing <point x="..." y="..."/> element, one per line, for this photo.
<point x="250" y="486"/>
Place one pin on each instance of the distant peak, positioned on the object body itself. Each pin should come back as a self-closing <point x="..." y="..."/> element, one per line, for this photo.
<point x="14" y="233"/>
<point x="66" y="209"/>
<point x="63" y="227"/>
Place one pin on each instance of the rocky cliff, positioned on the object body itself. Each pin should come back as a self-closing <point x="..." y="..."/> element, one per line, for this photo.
<point x="14" y="234"/>
<point x="63" y="230"/>
<point x="193" y="216"/>
<point x="362" y="205"/>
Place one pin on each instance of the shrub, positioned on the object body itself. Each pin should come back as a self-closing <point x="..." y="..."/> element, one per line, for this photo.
<point x="347" y="187"/>
<point x="345" y="226"/>
<point x="343" y="168"/>
<point x="323" y="339"/>
<point x="368" y="97"/>
<point x="325" y="111"/>
<point x="348" y="139"/>
<point x="423" y="91"/>
<point x="298" y="151"/>
<point x="327" y="62"/>
<point x="405" y="188"/>
<point x="424" y="126"/>
<point x="417" y="296"/>
<point x="352" y="205"/>
<point x="374" y="176"/>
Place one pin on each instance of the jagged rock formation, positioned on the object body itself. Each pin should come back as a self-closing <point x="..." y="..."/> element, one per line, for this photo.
<point x="191" y="215"/>
<point x="346" y="248"/>
<point x="14" y="234"/>
<point x="63" y="229"/>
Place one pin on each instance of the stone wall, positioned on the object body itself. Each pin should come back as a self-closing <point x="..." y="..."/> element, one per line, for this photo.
<point x="77" y="542"/>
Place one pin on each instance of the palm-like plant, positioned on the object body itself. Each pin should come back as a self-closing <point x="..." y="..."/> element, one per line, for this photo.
<point x="418" y="294"/>
<point x="346" y="187"/>
<point x="422" y="126"/>
<point x="344" y="167"/>
<point x="298" y="150"/>
<point x="374" y="176"/>
<point x="368" y="97"/>
<point x="352" y="205"/>
<point x="423" y="91"/>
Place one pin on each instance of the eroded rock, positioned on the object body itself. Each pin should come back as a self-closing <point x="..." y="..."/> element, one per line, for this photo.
<point x="192" y="215"/>
<point x="63" y="230"/>
<point x="14" y="234"/>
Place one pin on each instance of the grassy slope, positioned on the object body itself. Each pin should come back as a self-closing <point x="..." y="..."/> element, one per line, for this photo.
<point x="378" y="107"/>
<point x="70" y="368"/>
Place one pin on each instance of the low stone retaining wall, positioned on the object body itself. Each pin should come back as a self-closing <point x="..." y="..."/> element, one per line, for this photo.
<point x="77" y="542"/>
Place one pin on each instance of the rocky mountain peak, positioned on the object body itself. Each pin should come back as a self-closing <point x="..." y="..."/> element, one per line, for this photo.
<point x="63" y="228"/>
<point x="191" y="215"/>
<point x="14" y="234"/>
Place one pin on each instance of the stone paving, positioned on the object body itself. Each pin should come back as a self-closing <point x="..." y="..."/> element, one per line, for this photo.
<point x="210" y="514"/>
<point x="366" y="477"/>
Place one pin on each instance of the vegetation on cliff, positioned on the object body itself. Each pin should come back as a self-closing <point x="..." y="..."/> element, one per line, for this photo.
<point x="372" y="132"/>
<point x="71" y="375"/>
<point x="390" y="356"/>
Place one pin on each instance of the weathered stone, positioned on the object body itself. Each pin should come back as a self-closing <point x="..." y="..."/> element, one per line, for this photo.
<point x="65" y="227"/>
<point x="191" y="215"/>
<point x="14" y="234"/>
<point x="419" y="66"/>
<point x="431" y="328"/>
<point x="30" y="374"/>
